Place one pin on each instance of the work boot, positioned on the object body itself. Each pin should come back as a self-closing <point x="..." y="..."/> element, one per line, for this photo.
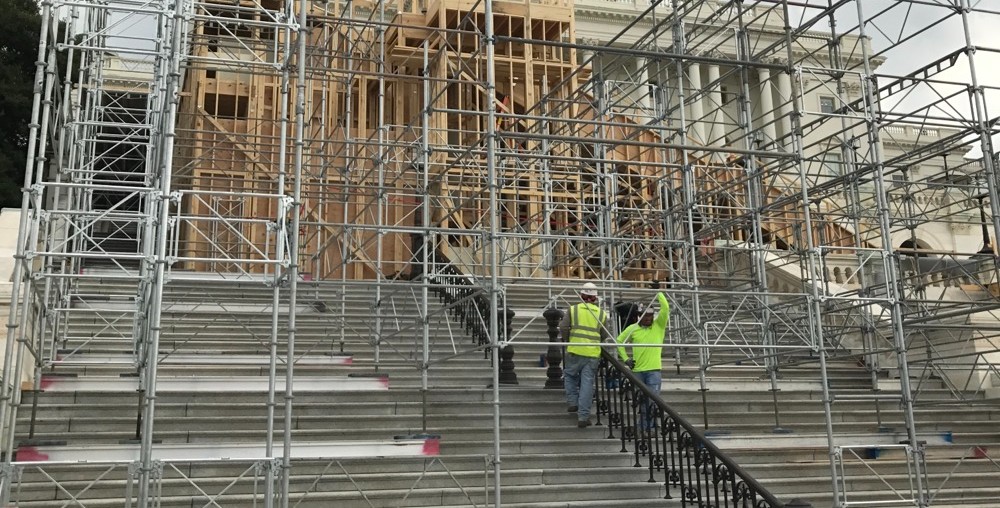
<point x="584" y="423"/>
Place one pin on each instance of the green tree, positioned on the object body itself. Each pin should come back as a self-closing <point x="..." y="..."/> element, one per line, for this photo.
<point x="18" y="52"/>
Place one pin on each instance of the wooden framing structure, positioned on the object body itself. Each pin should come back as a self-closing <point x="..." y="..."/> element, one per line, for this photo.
<point x="571" y="176"/>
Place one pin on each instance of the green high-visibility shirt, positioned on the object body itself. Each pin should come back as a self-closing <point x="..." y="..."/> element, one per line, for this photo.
<point x="646" y="358"/>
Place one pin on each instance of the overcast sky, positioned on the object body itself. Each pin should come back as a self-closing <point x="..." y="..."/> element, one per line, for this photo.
<point x="936" y="31"/>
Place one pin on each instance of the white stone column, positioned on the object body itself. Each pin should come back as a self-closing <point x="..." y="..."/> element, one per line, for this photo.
<point x="786" y="107"/>
<point x="766" y="107"/>
<point x="643" y="90"/>
<point x="584" y="54"/>
<point x="697" y="130"/>
<point x="717" y="131"/>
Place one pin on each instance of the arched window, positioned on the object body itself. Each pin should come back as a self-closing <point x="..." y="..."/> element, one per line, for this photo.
<point x="910" y="248"/>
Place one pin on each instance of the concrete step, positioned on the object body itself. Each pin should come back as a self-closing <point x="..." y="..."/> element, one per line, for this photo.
<point x="516" y="495"/>
<point x="541" y="448"/>
<point x="168" y="433"/>
<point x="596" y="457"/>
<point x="335" y="480"/>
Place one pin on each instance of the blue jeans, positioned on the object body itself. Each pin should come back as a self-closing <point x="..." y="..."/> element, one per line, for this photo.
<point x="579" y="374"/>
<point x="647" y="409"/>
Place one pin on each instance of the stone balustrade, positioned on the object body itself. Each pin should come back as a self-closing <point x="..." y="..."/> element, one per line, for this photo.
<point x="942" y="272"/>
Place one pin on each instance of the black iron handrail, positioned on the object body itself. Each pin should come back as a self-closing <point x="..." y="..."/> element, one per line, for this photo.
<point x="468" y="302"/>
<point x="705" y="476"/>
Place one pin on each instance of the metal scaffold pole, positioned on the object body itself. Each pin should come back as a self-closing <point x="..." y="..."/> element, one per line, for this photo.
<point x="493" y="247"/>
<point x="426" y="251"/>
<point x="811" y="273"/>
<point x="302" y="41"/>
<point x="688" y="202"/>
<point x="281" y="230"/>
<point x="893" y="286"/>
<point x="348" y="170"/>
<point x="171" y="53"/>
<point x="981" y="118"/>
<point x="9" y="385"/>
<point x="381" y="156"/>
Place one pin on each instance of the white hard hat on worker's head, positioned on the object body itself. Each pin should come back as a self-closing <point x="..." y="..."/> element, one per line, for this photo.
<point x="589" y="289"/>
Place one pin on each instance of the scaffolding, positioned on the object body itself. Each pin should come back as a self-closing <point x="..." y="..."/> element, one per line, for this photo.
<point x="797" y="178"/>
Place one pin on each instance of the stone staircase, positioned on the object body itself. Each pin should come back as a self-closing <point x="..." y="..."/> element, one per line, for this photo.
<point x="790" y="454"/>
<point x="89" y="405"/>
<point x="218" y="332"/>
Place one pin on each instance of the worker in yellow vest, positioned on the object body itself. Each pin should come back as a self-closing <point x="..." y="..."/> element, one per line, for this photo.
<point x="584" y="327"/>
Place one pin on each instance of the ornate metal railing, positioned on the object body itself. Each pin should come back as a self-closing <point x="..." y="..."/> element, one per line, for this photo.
<point x="469" y="304"/>
<point x="676" y="454"/>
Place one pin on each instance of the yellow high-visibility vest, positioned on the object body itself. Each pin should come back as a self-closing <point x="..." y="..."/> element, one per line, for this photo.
<point x="586" y="320"/>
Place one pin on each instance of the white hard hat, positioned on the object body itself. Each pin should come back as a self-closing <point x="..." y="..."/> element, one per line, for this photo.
<point x="589" y="289"/>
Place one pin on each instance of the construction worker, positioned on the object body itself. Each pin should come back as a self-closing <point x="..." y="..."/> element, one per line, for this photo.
<point x="646" y="362"/>
<point x="584" y="327"/>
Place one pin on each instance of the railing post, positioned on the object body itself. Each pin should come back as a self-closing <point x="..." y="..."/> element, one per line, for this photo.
<point x="507" y="374"/>
<point x="6" y="480"/>
<point x="553" y="357"/>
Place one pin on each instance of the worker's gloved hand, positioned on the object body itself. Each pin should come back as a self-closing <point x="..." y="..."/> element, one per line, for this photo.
<point x="630" y="363"/>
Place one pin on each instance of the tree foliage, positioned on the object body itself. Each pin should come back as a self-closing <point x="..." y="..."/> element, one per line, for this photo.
<point x="18" y="53"/>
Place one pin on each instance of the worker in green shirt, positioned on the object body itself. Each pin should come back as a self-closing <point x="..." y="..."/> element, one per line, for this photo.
<point x="646" y="362"/>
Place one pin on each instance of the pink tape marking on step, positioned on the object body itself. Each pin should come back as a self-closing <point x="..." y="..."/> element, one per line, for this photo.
<point x="30" y="454"/>
<point x="432" y="446"/>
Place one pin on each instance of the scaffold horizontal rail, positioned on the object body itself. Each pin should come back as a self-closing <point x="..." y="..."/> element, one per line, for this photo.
<point x="204" y="358"/>
<point x="845" y="439"/>
<point x="215" y="384"/>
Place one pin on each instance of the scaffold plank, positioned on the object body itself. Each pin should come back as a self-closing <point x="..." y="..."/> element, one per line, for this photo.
<point x="188" y="452"/>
